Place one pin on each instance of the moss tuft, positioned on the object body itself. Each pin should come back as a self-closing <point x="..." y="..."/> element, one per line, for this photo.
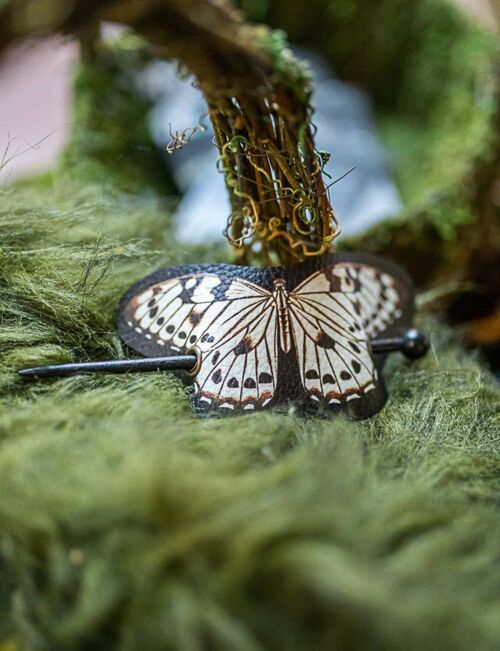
<point x="111" y="136"/>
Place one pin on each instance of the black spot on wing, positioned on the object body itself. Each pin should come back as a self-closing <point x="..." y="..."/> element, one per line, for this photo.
<point x="249" y="383"/>
<point x="325" y="341"/>
<point x="217" y="376"/>
<point x="265" y="378"/>
<point x="233" y="383"/>
<point x="354" y="278"/>
<point x="357" y="307"/>
<point x="312" y="374"/>
<point x="186" y="295"/>
<point x="194" y="318"/>
<point x="334" y="281"/>
<point x="244" y="346"/>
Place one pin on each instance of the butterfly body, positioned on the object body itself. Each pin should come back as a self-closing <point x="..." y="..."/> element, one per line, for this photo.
<point x="282" y="337"/>
<point x="280" y="299"/>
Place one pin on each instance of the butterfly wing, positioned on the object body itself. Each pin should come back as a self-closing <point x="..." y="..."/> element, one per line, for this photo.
<point x="233" y="327"/>
<point x="238" y="326"/>
<point x="334" y="313"/>
<point x="163" y="318"/>
<point x="379" y="299"/>
<point x="239" y="368"/>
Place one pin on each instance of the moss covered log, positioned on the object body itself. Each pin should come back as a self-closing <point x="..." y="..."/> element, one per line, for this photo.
<point x="432" y="73"/>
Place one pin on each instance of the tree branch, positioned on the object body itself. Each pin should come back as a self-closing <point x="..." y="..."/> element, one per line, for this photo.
<point x="258" y="98"/>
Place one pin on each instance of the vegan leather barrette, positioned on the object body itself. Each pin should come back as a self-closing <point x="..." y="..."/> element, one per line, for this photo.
<point x="313" y="335"/>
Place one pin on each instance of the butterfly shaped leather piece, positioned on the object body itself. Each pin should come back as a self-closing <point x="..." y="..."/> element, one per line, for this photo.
<point x="274" y="336"/>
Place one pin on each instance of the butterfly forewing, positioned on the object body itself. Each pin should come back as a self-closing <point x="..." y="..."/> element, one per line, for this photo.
<point x="376" y="296"/>
<point x="169" y="313"/>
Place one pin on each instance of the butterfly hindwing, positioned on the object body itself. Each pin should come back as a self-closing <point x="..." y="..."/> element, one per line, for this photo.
<point x="333" y="355"/>
<point x="239" y="369"/>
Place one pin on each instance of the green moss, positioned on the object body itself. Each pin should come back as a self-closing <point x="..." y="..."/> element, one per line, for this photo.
<point x="436" y="148"/>
<point x="293" y="72"/>
<point x="129" y="523"/>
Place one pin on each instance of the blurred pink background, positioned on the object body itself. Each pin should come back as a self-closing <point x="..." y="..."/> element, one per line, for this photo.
<point x="35" y="105"/>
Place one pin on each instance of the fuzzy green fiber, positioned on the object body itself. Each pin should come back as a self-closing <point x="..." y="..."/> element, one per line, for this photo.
<point x="128" y="523"/>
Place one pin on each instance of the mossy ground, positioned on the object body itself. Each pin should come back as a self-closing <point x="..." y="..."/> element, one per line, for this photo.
<point x="127" y="523"/>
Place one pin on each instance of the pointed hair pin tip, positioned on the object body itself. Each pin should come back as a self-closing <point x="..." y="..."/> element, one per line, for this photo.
<point x="27" y="372"/>
<point x="39" y="371"/>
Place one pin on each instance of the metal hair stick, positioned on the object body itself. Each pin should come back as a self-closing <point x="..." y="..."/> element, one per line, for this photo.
<point x="145" y="365"/>
<point x="412" y="343"/>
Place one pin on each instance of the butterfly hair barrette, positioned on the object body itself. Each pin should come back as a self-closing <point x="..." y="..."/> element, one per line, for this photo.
<point x="313" y="335"/>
